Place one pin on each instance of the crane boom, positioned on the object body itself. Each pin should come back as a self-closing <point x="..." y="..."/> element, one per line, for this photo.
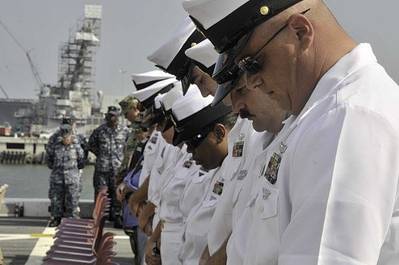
<point x="4" y="91"/>
<point x="34" y="71"/>
<point x="33" y="67"/>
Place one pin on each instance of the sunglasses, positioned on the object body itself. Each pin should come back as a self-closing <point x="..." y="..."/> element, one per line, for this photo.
<point x="250" y="64"/>
<point x="226" y="69"/>
<point x="196" y="140"/>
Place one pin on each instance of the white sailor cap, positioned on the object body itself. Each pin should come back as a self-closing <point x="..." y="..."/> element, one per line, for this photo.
<point x="171" y="97"/>
<point x="190" y="104"/>
<point x="203" y="53"/>
<point x="146" y="96"/>
<point x="143" y="80"/>
<point x="163" y="106"/>
<point x="192" y="113"/>
<point x="193" y="91"/>
<point x="225" y="22"/>
<point x="171" y="57"/>
<point x="157" y="101"/>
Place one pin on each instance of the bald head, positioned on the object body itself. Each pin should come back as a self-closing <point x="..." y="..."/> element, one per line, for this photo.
<point x="293" y="50"/>
<point x="318" y="14"/>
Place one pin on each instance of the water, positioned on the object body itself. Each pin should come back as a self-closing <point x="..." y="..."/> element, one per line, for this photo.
<point x="32" y="181"/>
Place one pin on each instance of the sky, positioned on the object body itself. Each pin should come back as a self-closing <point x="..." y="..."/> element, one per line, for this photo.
<point x="133" y="29"/>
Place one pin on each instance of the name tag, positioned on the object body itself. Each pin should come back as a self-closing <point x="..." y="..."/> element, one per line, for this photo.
<point x="218" y="188"/>
<point x="238" y="149"/>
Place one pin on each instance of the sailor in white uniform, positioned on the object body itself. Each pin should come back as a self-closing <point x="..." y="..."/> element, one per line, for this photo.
<point x="330" y="194"/>
<point x="155" y="143"/>
<point x="221" y="223"/>
<point x="244" y="145"/>
<point x="204" y="129"/>
<point x="197" y="178"/>
<point x="199" y="181"/>
<point x="154" y="151"/>
<point x="171" y="185"/>
<point x="258" y="211"/>
<point x="241" y="196"/>
<point x="164" y="169"/>
<point x="164" y="164"/>
<point x="171" y="58"/>
<point x="170" y="213"/>
<point x="142" y="81"/>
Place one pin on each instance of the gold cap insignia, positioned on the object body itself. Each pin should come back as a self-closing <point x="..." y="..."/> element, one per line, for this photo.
<point x="264" y="10"/>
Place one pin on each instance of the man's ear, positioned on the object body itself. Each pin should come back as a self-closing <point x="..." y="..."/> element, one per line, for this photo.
<point x="303" y="29"/>
<point x="220" y="132"/>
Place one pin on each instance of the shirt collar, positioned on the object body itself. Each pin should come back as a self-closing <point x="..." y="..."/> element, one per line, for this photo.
<point x="361" y="56"/>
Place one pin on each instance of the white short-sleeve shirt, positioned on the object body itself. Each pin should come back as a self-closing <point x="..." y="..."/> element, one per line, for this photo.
<point x="335" y="199"/>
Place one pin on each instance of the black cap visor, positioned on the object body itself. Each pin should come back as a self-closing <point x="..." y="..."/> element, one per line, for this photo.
<point x="194" y="124"/>
<point x="186" y="80"/>
<point x="149" y="102"/>
<point x="222" y="91"/>
<point x="226" y="68"/>
<point x="227" y="75"/>
<point x="226" y="71"/>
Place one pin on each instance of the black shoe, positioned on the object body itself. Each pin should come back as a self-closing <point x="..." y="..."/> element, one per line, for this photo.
<point x="54" y="222"/>
<point x="118" y="223"/>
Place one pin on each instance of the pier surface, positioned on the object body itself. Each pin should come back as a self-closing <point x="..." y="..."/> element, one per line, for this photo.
<point x="26" y="240"/>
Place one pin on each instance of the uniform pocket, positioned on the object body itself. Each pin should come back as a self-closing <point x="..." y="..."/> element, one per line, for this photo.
<point x="268" y="202"/>
<point x="211" y="202"/>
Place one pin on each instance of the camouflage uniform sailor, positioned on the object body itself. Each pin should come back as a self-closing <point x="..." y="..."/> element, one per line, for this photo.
<point x="66" y="122"/>
<point x="65" y="158"/>
<point x="79" y="137"/>
<point x="107" y="142"/>
<point x="129" y="106"/>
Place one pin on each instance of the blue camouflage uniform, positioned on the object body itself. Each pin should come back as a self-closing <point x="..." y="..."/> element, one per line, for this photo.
<point x="64" y="189"/>
<point x="108" y="144"/>
<point x="82" y="142"/>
